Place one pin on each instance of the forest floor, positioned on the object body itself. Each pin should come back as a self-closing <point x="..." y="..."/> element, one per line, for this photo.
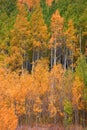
<point x="51" y="128"/>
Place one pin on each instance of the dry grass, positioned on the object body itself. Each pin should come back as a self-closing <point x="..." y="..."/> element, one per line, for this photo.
<point x="51" y="128"/>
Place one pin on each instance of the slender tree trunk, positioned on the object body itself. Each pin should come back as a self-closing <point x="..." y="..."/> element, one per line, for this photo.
<point x="22" y="68"/>
<point x="76" y="116"/>
<point x="33" y="60"/>
<point x="26" y="119"/>
<point x="55" y="52"/>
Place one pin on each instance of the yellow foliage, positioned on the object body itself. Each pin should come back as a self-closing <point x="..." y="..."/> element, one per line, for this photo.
<point x="8" y="120"/>
<point x="37" y="106"/>
<point x="49" y="2"/>
<point x="52" y="109"/>
<point x="77" y="90"/>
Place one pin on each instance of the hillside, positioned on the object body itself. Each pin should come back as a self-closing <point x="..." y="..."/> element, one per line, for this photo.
<point x="43" y="64"/>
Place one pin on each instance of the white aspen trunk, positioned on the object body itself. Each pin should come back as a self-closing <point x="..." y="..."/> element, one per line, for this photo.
<point x="65" y="61"/>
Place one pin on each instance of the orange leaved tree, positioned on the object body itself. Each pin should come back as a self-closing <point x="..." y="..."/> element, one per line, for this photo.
<point x="8" y="118"/>
<point x="49" y="2"/>
<point x="19" y="40"/>
<point x="39" y="34"/>
<point x="56" y="38"/>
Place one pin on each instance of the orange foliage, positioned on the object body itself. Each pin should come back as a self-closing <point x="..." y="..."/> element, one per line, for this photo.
<point x="30" y="3"/>
<point x="49" y="2"/>
<point x="19" y="39"/>
<point x="56" y="84"/>
<point x="71" y="39"/>
<point x="40" y="82"/>
<point x="56" y="23"/>
<point x="8" y="118"/>
<point x="77" y="91"/>
<point x="38" y="28"/>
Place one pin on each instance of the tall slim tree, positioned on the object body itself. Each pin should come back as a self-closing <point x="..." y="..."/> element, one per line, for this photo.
<point x="56" y="30"/>
<point x="19" y="39"/>
<point x="71" y="49"/>
<point x="39" y="33"/>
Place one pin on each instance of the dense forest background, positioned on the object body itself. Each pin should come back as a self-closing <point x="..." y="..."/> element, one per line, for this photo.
<point x="43" y="63"/>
